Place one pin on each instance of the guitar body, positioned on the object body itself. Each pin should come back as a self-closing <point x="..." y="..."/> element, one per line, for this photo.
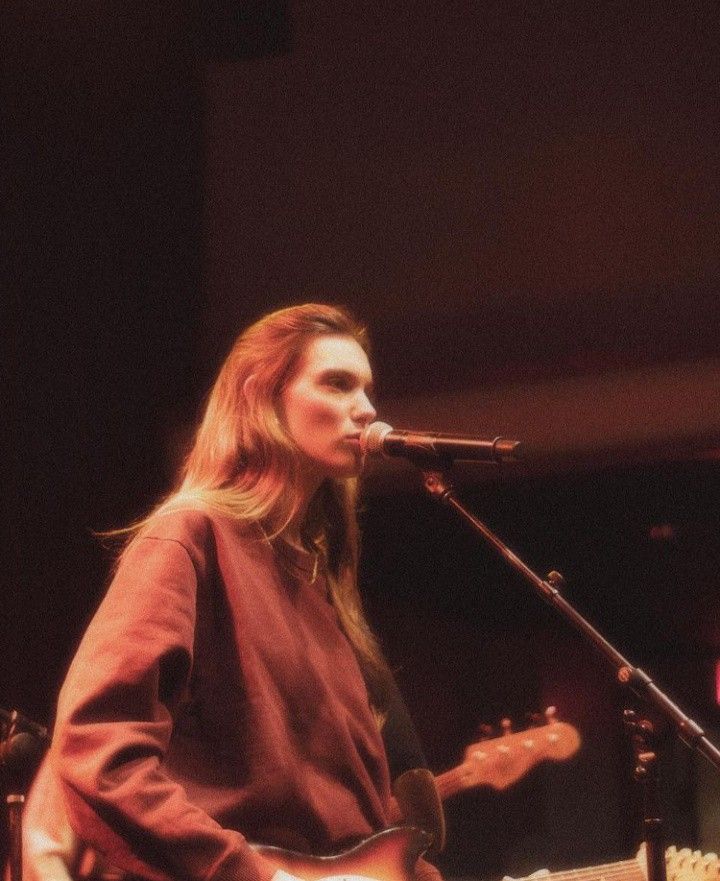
<point x="388" y="856"/>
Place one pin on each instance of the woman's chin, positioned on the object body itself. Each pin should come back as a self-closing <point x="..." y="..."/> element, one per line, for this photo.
<point x="350" y="467"/>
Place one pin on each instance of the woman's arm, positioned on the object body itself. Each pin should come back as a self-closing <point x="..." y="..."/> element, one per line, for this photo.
<point x="115" y="719"/>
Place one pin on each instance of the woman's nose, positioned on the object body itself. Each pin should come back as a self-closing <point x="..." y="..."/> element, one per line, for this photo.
<point x="364" y="412"/>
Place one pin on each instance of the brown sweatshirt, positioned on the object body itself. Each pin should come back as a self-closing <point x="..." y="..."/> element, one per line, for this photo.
<point x="214" y="700"/>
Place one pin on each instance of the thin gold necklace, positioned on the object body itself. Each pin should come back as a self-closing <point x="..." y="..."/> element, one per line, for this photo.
<point x="278" y="550"/>
<point x="316" y="562"/>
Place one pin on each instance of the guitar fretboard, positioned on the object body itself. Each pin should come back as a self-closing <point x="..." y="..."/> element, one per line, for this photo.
<point x="626" y="870"/>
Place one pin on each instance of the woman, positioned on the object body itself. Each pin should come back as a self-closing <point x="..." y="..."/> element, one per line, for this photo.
<point x="229" y="689"/>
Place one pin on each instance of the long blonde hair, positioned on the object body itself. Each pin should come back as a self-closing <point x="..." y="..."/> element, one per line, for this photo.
<point x="244" y="464"/>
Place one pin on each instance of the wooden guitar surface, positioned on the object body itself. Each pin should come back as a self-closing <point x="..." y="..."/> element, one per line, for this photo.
<point x="388" y="856"/>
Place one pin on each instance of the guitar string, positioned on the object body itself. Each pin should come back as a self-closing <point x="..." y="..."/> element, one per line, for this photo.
<point x="629" y="868"/>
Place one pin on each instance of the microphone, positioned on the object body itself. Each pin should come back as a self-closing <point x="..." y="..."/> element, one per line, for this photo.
<point x="381" y="439"/>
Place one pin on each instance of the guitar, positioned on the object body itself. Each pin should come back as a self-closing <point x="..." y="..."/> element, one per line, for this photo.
<point x="504" y="760"/>
<point x="391" y="856"/>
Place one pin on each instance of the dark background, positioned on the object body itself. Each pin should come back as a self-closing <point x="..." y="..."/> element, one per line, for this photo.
<point x="522" y="202"/>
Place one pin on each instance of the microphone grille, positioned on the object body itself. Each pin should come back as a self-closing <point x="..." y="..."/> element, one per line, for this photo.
<point x="372" y="436"/>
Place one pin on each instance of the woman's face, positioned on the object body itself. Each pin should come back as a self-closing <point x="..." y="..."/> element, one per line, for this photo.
<point x="326" y="404"/>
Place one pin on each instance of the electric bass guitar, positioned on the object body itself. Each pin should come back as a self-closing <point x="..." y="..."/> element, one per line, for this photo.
<point x="391" y="856"/>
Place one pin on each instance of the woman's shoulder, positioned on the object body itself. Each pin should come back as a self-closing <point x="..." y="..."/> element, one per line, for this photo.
<point x="180" y="522"/>
<point x="195" y="525"/>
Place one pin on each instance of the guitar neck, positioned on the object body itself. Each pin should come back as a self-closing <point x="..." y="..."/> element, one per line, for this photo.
<point x="626" y="870"/>
<point x="502" y="761"/>
<point x="451" y="782"/>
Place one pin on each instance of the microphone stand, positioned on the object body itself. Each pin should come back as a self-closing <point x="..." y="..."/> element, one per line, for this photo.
<point x="629" y="676"/>
<point x="21" y="747"/>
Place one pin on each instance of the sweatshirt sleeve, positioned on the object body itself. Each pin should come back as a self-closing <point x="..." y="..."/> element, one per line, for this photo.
<point x="114" y="725"/>
<point x="50" y="848"/>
